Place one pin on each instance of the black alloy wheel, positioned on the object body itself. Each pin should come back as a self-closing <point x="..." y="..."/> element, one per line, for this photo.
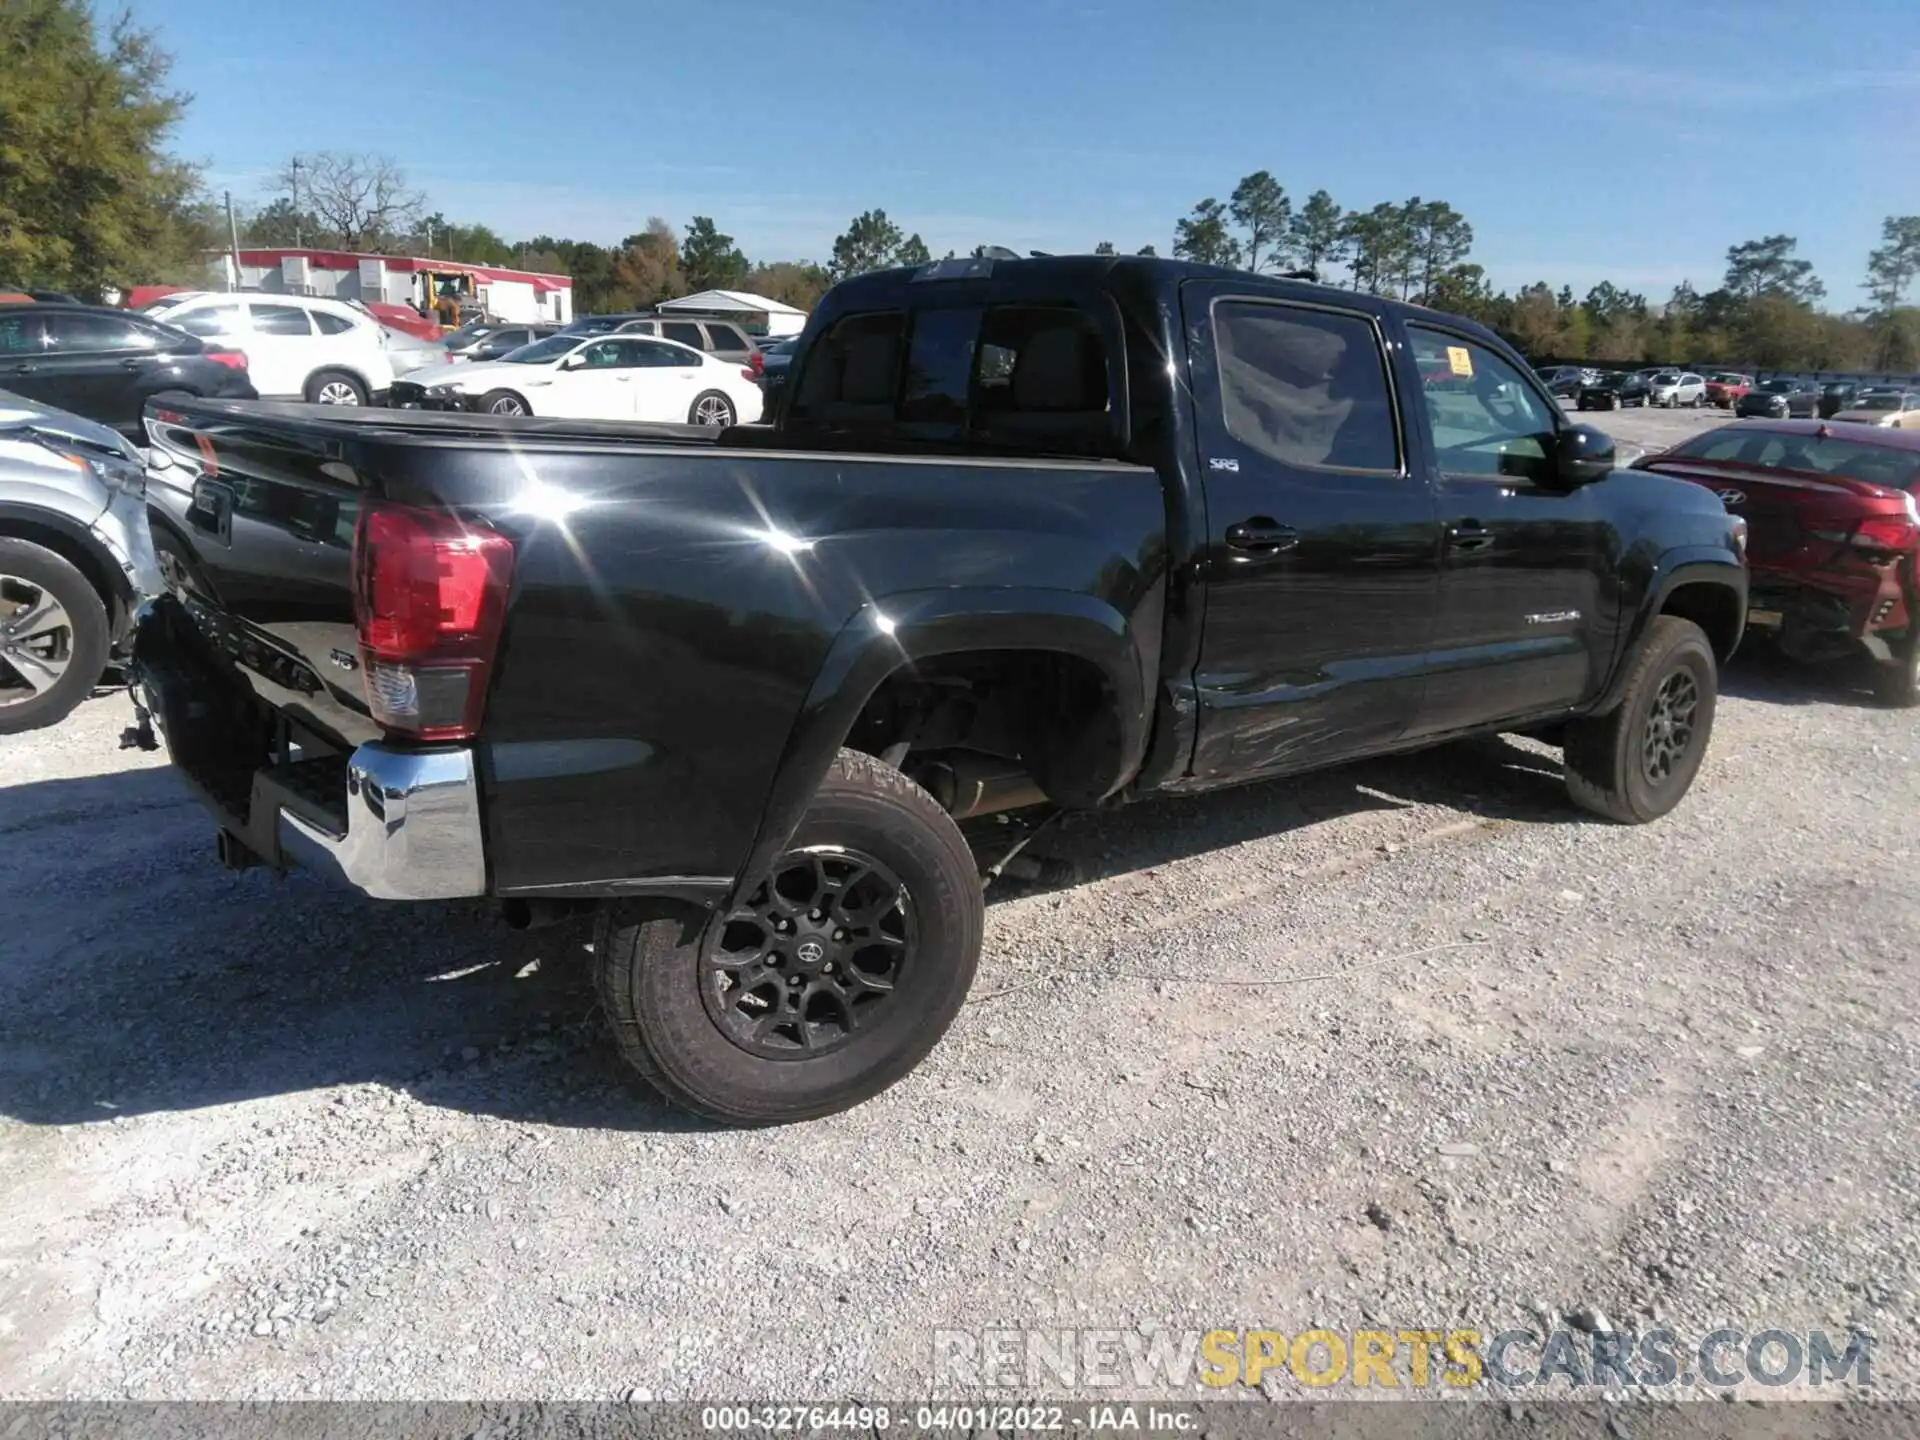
<point x="812" y="956"/>
<point x="1669" y="728"/>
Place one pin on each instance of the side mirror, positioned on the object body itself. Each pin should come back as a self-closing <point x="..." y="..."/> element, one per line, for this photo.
<point x="1583" y="455"/>
<point x="573" y="362"/>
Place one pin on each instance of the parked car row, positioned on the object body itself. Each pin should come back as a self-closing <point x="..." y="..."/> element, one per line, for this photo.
<point x="608" y="376"/>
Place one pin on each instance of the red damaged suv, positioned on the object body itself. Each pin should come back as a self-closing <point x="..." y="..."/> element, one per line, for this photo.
<point x="1833" y="536"/>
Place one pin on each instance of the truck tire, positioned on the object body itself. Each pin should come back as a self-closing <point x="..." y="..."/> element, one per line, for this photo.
<point x="51" y="662"/>
<point x="827" y="984"/>
<point x="1634" y="764"/>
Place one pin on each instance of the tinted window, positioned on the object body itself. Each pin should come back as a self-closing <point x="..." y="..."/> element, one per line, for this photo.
<point x="1489" y="420"/>
<point x="685" y="332"/>
<point x="328" y="323"/>
<point x="725" y="337"/>
<point x="1306" y="387"/>
<point x="853" y="373"/>
<point x="280" y="320"/>
<point x="608" y="355"/>
<point x="23" y="335"/>
<point x="939" y="367"/>
<point x="79" y="334"/>
<point x="210" y="320"/>
<point x="661" y="356"/>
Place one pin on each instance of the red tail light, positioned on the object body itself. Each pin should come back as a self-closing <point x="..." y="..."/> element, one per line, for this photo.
<point x="429" y="599"/>
<point x="757" y="365"/>
<point x="1886" y="532"/>
<point x="232" y="359"/>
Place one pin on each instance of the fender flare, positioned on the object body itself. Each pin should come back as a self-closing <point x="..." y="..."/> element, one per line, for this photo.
<point x="1688" y="565"/>
<point x="887" y="635"/>
<point x="21" y="520"/>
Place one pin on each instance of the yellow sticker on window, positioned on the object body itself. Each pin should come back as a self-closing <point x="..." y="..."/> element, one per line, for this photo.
<point x="1460" y="360"/>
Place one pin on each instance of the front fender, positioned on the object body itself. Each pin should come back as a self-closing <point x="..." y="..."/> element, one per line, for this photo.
<point x="1687" y="565"/>
<point x="887" y="635"/>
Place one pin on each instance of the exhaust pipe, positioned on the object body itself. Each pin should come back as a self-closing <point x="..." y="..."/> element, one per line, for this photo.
<point x="968" y="784"/>
<point x="537" y="914"/>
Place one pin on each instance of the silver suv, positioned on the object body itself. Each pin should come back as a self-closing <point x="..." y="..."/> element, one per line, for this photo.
<point x="719" y="338"/>
<point x="76" y="557"/>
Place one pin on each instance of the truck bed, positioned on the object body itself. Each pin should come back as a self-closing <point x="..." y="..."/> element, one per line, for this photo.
<point x="676" y="597"/>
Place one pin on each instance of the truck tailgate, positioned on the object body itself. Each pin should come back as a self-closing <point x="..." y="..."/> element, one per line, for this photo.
<point x="260" y="502"/>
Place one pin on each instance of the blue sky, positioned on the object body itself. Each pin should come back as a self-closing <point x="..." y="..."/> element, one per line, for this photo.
<point x="1628" y="141"/>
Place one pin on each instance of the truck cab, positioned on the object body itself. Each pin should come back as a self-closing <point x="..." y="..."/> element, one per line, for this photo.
<point x="1042" y="535"/>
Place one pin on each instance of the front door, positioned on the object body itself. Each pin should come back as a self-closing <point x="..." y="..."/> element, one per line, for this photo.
<point x="1523" y="558"/>
<point x="1321" y="562"/>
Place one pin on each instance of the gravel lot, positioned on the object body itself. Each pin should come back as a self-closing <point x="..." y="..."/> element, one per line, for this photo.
<point x="262" y="1139"/>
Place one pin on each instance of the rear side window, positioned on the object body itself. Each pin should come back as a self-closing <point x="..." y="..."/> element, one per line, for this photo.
<point x="79" y="334"/>
<point x="280" y="320"/>
<point x="328" y="323"/>
<point x="23" y="335"/>
<point x="684" y="332"/>
<point x="1306" y="387"/>
<point x="725" y="337"/>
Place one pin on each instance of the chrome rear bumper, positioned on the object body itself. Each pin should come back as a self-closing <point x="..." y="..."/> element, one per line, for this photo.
<point x="413" y="827"/>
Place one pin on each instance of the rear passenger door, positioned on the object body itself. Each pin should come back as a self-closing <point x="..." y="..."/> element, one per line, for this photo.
<point x="1524" y="617"/>
<point x="1321" y="560"/>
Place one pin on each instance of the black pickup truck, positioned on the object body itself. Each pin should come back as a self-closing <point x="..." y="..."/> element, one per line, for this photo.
<point x="1061" y="531"/>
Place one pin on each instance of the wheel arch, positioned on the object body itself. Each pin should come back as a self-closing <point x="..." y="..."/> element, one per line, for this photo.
<point x="72" y="542"/>
<point x="1705" y="585"/>
<point x="890" y="637"/>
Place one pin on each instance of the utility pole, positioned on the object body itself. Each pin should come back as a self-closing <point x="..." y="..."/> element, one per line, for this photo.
<point x="233" y="233"/>
<point x="297" y="240"/>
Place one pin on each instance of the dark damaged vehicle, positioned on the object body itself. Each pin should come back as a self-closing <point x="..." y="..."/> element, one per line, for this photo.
<point x="1061" y="532"/>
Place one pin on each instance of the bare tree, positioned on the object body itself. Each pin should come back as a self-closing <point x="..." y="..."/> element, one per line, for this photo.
<point x="357" y="201"/>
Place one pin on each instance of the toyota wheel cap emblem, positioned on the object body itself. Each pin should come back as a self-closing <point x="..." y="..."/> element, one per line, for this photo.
<point x="812" y="952"/>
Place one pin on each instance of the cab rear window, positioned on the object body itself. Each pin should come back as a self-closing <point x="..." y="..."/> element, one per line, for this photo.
<point x="1029" y="376"/>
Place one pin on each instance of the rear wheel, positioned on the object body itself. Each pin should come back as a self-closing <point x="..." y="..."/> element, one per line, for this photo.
<point x="53" y="637"/>
<point x="504" y="402"/>
<point x="712" y="408"/>
<point x="1635" y="764"/>
<point x="826" y="984"/>
<point x="336" y="387"/>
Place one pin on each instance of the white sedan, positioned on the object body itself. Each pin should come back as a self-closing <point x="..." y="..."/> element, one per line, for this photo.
<point x="598" y="377"/>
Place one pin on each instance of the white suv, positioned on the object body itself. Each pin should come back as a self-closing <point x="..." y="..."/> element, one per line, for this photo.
<point x="1674" y="388"/>
<point x="297" y="346"/>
